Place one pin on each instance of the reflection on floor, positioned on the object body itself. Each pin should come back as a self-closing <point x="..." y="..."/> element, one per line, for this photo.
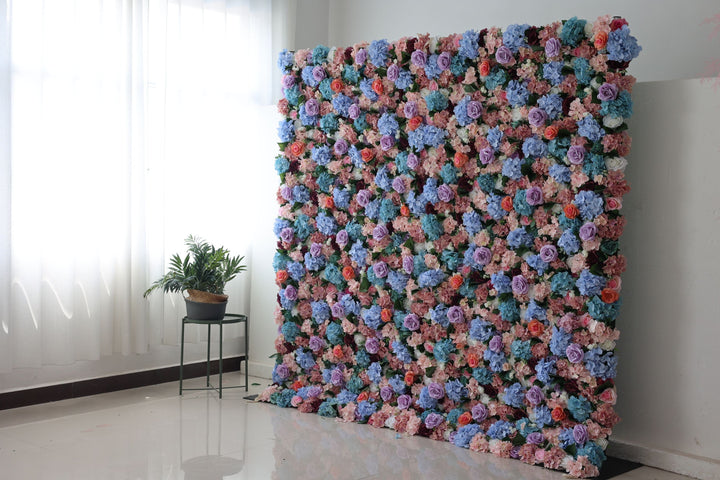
<point x="152" y="433"/>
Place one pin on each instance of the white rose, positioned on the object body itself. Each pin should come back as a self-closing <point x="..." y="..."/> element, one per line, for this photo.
<point x="594" y="83"/>
<point x="589" y="30"/>
<point x="359" y="339"/>
<point x="462" y="133"/>
<point x="602" y="442"/>
<point x="616" y="163"/>
<point x="516" y="114"/>
<point x="611" y="121"/>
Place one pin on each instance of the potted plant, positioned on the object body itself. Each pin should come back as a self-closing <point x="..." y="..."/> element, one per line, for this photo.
<point x="203" y="274"/>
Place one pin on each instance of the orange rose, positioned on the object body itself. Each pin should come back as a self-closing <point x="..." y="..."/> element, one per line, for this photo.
<point x="485" y="68"/>
<point x="281" y="276"/>
<point x="456" y="281"/>
<point x="362" y="397"/>
<point x="338" y="351"/>
<point x="601" y="40"/>
<point x="409" y="378"/>
<point x="535" y="327"/>
<point x="329" y="202"/>
<point x="377" y="86"/>
<point x="460" y="159"/>
<point x="507" y="203"/>
<point x="609" y="295"/>
<point x="405" y="211"/>
<point x="337" y="85"/>
<point x="386" y="315"/>
<point x="473" y="360"/>
<point x="558" y="414"/>
<point x="571" y="211"/>
<point x="415" y="122"/>
<point x="297" y="148"/>
<point x="367" y="154"/>
<point x="348" y="273"/>
<point x="551" y="131"/>
<point x="464" y="419"/>
<point x="297" y="385"/>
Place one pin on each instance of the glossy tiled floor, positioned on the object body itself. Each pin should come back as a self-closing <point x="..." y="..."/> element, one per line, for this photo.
<point x="152" y="433"/>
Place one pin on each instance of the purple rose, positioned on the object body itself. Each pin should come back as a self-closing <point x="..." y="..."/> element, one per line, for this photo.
<point x="535" y="438"/>
<point x="436" y="391"/>
<point x="445" y="193"/>
<point x="607" y="92"/>
<point x="398" y="185"/>
<point x="588" y="231"/>
<point x="387" y="142"/>
<point x="380" y="269"/>
<point x="363" y="197"/>
<point x="372" y="345"/>
<point x="535" y="395"/>
<point x="404" y="402"/>
<point x="282" y="371"/>
<point x="315" y="249"/>
<point x="503" y="55"/>
<point x="479" y="412"/>
<point x="288" y="81"/>
<point x="537" y="117"/>
<point x="312" y="107"/>
<point x="380" y="231"/>
<point x="410" y="109"/>
<point x="314" y="391"/>
<point x="318" y="73"/>
<point x="418" y="58"/>
<point x="361" y="56"/>
<point x="286" y="192"/>
<point x="574" y="353"/>
<point x="576" y="154"/>
<point x="411" y="322"/>
<point x="515" y="452"/>
<point x="336" y="377"/>
<point x="482" y="256"/>
<point x="433" y="420"/>
<point x="316" y="343"/>
<point x="386" y="393"/>
<point x="443" y="61"/>
<point x="342" y="238"/>
<point x="412" y="161"/>
<point x="353" y="111"/>
<point x="496" y="344"/>
<point x="519" y="285"/>
<point x="455" y="314"/>
<point x="393" y="72"/>
<point x="341" y="147"/>
<point x="287" y="234"/>
<point x="548" y="253"/>
<point x="337" y="310"/>
<point x="474" y="109"/>
<point x="290" y="292"/>
<point x="534" y="196"/>
<point x="487" y="155"/>
<point x="408" y="264"/>
<point x="580" y="434"/>
<point x="552" y="47"/>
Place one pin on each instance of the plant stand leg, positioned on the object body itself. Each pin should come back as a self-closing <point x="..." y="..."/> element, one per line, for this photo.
<point x="221" y="360"/>
<point x="207" y="376"/>
<point x="182" y="354"/>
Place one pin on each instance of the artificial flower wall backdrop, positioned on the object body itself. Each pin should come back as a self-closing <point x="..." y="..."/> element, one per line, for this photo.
<point x="448" y="234"/>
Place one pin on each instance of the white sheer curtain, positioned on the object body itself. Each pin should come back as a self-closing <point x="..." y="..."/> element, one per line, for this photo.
<point x="127" y="125"/>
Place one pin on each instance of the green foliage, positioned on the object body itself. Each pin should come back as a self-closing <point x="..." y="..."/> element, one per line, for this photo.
<point x="204" y="268"/>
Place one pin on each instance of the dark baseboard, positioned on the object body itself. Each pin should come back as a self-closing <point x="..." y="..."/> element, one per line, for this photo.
<point x="82" y="388"/>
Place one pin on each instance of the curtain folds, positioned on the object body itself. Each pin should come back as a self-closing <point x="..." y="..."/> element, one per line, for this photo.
<point x="127" y="125"/>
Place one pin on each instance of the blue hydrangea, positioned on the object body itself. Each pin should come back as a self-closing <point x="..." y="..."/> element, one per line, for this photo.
<point x="416" y="203"/>
<point x="388" y="211"/>
<point x="590" y="284"/>
<point x="494" y="207"/>
<point x="558" y="147"/>
<point x="292" y="95"/>
<point x="519" y="238"/>
<point x="431" y="278"/>
<point x="341" y="198"/>
<point x="535" y="311"/>
<point x="377" y="51"/>
<point x="486" y="182"/>
<point x="545" y="368"/>
<point x="562" y="282"/>
<point x="372" y="209"/>
<point x="341" y="103"/>
<point x="560" y="173"/>
<point x="525" y="427"/>
<point x="430" y="191"/>
<point x="438" y="314"/>
<point x="431" y="226"/>
<point x="290" y="331"/>
<point x="320" y="311"/>
<point x="329" y="123"/>
<point x="282" y="165"/>
<point x="326" y="224"/>
<point x="501" y="282"/>
<point x="472" y="222"/>
<point x="279" y="260"/>
<point x="350" y="75"/>
<point x="449" y="173"/>
<point x="573" y="31"/>
<point x="327" y="409"/>
<point x="325" y="89"/>
<point x="517" y="93"/>
<point x="350" y="305"/>
<point x="583" y="71"/>
<point x="604" y="312"/>
<point x="552" y="72"/>
<point x="425" y="401"/>
<point x="345" y="396"/>
<point x="468" y="45"/>
<point x="455" y="390"/>
<point x="436" y="101"/>
<point x="594" y="165"/>
<point x="566" y="437"/>
<point x="300" y="194"/>
<point x="521" y="349"/>
<point x="365" y="409"/>
<point x="482" y="375"/>
<point x="305" y="359"/>
<point x="432" y="70"/>
<point x="398" y="384"/>
<point x="509" y="310"/>
<point x="296" y="270"/>
<point x="375" y="372"/>
<point x="494" y="137"/>
<point x="285" y="60"/>
<point x="593" y="452"/>
<point x="534" y="261"/>
<point x="495" y="359"/>
<point x="382" y="178"/>
<point x="450" y="259"/>
<point x="601" y="364"/>
<point x="401" y="352"/>
<point x="319" y="54"/>
<point x="358" y="253"/>
<point x="465" y="434"/>
<point x="397" y="281"/>
<point x="302" y="226"/>
<point x="534" y="147"/>
<point x="360" y="124"/>
<point x="277" y="377"/>
<point x="371" y="316"/>
<point x="404" y="80"/>
<point x="514" y="37"/>
<point x="306" y="119"/>
<point x="321" y="155"/>
<point x="621" y="46"/>
<point x="559" y="341"/>
<point x="496" y="78"/>
<point x="308" y="77"/>
<point x="415" y="139"/>
<point x="590" y="129"/>
<point x="432" y="135"/>
<point x="542" y="416"/>
<point x="460" y="112"/>
<point x="283" y="398"/>
<point x="335" y="334"/>
<point x="286" y="130"/>
<point x="367" y="90"/>
<point x="589" y="203"/>
<point x="569" y="242"/>
<point x="580" y="408"/>
<point x="333" y="275"/>
<point x="481" y="330"/>
<point x="500" y="429"/>
<point x="620" y="107"/>
<point x="512" y="168"/>
<point x="552" y="104"/>
<point x="388" y="124"/>
<point x="443" y="349"/>
<point x="520" y="203"/>
<point x="279" y="225"/>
